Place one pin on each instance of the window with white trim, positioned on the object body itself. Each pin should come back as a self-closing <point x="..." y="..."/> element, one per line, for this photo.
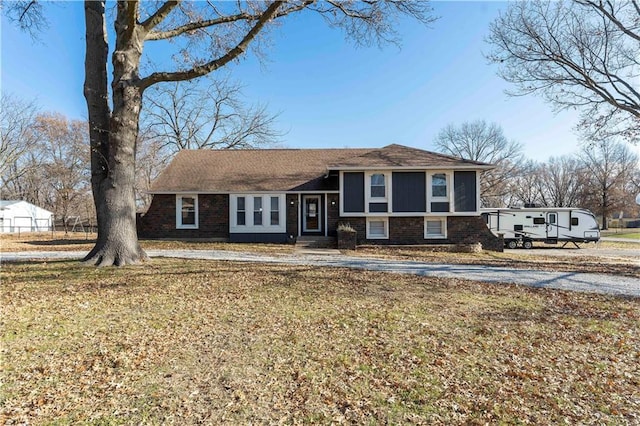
<point x="435" y="227"/>
<point x="275" y="211"/>
<point x="257" y="211"/>
<point x="187" y="211"/>
<point x="241" y="211"/>
<point x="377" y="228"/>
<point x="378" y="186"/>
<point x="439" y="185"/>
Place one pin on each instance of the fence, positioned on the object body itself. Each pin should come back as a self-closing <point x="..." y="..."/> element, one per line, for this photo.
<point x="20" y="230"/>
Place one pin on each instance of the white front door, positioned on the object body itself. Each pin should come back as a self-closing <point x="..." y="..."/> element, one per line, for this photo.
<point x="552" y="225"/>
<point x="311" y="213"/>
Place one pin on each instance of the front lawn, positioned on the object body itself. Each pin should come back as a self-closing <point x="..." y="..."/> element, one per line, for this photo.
<point x="187" y="342"/>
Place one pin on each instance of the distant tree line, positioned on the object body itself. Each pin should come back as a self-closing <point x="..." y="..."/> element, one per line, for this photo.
<point x="603" y="176"/>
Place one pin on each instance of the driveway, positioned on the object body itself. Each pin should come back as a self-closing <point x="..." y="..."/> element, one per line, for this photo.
<point x="574" y="281"/>
<point x="585" y="251"/>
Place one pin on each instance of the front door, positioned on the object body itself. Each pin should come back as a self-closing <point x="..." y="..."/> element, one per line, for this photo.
<point x="552" y="225"/>
<point x="311" y="215"/>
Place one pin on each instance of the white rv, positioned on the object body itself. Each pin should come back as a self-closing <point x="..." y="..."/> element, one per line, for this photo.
<point x="523" y="226"/>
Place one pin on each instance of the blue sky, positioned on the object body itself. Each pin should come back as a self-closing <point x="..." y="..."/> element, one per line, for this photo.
<point x="328" y="92"/>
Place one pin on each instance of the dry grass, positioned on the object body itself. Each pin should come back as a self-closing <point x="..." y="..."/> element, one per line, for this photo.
<point x="59" y="241"/>
<point x="189" y="342"/>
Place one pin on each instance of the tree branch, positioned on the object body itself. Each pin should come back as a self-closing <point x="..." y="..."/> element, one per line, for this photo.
<point x="201" y="70"/>
<point x="155" y="19"/>
<point x="244" y="16"/>
<point x="611" y="15"/>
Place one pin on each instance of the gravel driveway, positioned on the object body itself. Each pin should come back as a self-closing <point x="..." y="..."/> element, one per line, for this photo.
<point x="584" y="282"/>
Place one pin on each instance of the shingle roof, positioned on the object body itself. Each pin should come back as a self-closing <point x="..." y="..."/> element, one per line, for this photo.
<point x="283" y="169"/>
<point x="392" y="156"/>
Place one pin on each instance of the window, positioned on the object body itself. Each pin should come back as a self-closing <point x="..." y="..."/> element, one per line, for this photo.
<point x="377" y="228"/>
<point x="378" y="186"/>
<point x="538" y="221"/>
<point x="241" y="217"/>
<point x="275" y="211"/>
<point x="187" y="211"/>
<point x="257" y="210"/>
<point x="439" y="185"/>
<point x="257" y="213"/>
<point x="435" y="228"/>
<point x="574" y="221"/>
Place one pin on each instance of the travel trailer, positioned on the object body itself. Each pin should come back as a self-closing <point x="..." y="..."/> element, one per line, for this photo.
<point x="523" y="226"/>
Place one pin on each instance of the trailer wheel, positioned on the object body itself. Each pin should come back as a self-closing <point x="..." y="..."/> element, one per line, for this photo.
<point x="527" y="244"/>
<point x="512" y="244"/>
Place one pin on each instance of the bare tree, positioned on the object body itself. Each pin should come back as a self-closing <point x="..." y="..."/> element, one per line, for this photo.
<point x="17" y="142"/>
<point x="561" y="181"/>
<point x="151" y="158"/>
<point x="610" y="167"/>
<point x="524" y="187"/>
<point x="582" y="54"/>
<point x="205" y="37"/>
<point x="65" y="163"/>
<point x="480" y="141"/>
<point x="187" y="116"/>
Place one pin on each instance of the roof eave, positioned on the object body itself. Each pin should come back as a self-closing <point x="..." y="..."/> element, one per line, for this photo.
<point x="441" y="167"/>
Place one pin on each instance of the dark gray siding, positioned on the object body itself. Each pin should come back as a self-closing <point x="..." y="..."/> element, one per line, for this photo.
<point x="409" y="192"/>
<point x="464" y="186"/>
<point x="378" y="207"/>
<point x="439" y="207"/>
<point x="354" y="192"/>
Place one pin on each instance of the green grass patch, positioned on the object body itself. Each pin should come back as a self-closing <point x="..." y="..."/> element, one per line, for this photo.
<point x="190" y="342"/>
<point x="630" y="236"/>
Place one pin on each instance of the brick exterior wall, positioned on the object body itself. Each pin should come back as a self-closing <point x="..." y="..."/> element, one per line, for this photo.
<point x="410" y="230"/>
<point x="473" y="229"/>
<point x="333" y="212"/>
<point x="213" y="214"/>
<point x="160" y="219"/>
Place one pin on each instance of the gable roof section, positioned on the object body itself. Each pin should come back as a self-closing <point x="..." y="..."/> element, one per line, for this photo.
<point x="285" y="169"/>
<point x="399" y="156"/>
<point x="248" y="170"/>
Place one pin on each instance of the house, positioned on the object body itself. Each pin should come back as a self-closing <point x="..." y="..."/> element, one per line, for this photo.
<point x="390" y="195"/>
<point x="21" y="216"/>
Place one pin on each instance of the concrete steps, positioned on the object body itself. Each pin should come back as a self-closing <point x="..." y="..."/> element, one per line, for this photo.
<point x="319" y="242"/>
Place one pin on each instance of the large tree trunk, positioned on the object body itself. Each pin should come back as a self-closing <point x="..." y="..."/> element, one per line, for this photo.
<point x="113" y="135"/>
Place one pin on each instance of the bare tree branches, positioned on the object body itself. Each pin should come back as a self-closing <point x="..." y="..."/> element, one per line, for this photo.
<point x="479" y="141"/>
<point x="576" y="54"/>
<point x="561" y="182"/>
<point x="214" y="64"/>
<point x="17" y="138"/>
<point x="187" y="117"/>
<point x="610" y="167"/>
<point x="27" y="14"/>
<point x="65" y="167"/>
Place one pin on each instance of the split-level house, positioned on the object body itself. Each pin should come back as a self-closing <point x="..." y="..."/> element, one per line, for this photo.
<point x="390" y="195"/>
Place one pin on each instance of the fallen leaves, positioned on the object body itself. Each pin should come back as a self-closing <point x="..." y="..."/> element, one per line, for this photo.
<point x="218" y="342"/>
